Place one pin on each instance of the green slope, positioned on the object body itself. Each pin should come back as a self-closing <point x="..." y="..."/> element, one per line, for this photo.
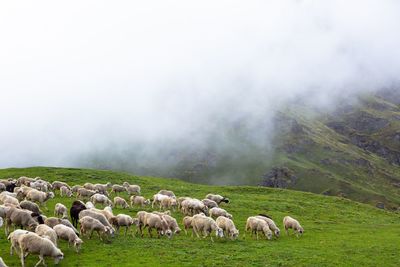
<point x="338" y="232"/>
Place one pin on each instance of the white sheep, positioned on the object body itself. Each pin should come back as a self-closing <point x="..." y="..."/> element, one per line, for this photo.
<point x="31" y="243"/>
<point x="120" y="202"/>
<point x="290" y="223"/>
<point x="168" y="203"/>
<point x="101" y="199"/>
<point x="217" y="198"/>
<point x="60" y="209"/>
<point x="139" y="200"/>
<point x="102" y="188"/>
<point x="172" y="223"/>
<point x="228" y="227"/>
<point x="116" y="188"/>
<point x="89" y="224"/>
<point x="206" y="225"/>
<point x="89" y="186"/>
<point x="38" y="196"/>
<point x="83" y="193"/>
<point x="98" y="216"/>
<point x="257" y="225"/>
<point x="167" y="193"/>
<point x="157" y="198"/>
<point x="21" y="218"/>
<point x="89" y="205"/>
<point x="13" y="238"/>
<point x="271" y="224"/>
<point x="210" y="203"/>
<point x="132" y="189"/>
<point x="57" y="185"/>
<point x="155" y="221"/>
<point x="216" y="212"/>
<point x="45" y="231"/>
<point x="123" y="220"/>
<point x="66" y="233"/>
<point x="65" y="191"/>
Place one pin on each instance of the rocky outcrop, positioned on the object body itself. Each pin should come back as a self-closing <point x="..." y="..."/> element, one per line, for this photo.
<point x="279" y="177"/>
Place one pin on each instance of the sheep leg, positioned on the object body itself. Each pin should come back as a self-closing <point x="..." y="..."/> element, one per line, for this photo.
<point x="149" y="229"/>
<point x="126" y="230"/>
<point x="257" y="235"/>
<point x="40" y="261"/>
<point x="22" y="259"/>
<point x="91" y="233"/>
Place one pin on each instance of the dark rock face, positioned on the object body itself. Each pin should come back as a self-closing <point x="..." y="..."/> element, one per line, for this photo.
<point x="279" y="178"/>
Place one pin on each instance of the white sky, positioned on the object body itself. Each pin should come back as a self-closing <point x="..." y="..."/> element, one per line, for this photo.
<point x="82" y="75"/>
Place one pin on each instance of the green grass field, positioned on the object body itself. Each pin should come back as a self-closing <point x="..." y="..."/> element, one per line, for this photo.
<point x="338" y="232"/>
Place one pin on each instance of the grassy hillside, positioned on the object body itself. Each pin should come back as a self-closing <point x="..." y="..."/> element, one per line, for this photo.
<point x="351" y="151"/>
<point x="338" y="232"/>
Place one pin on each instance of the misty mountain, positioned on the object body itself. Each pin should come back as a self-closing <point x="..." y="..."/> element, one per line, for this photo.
<point x="353" y="151"/>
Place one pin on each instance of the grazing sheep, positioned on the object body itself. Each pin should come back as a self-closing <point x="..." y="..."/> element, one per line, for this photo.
<point x="155" y="221"/>
<point x="228" y="227"/>
<point x="7" y="199"/>
<point x="132" y="189"/>
<point x="102" y="188"/>
<point x="28" y="205"/>
<point x="139" y="200"/>
<point x="217" y="198"/>
<point x="22" y="218"/>
<point x="167" y="193"/>
<point x="124" y="221"/>
<point x="271" y="224"/>
<point x="52" y="221"/>
<point x="119" y="201"/>
<point x="76" y="208"/>
<point x="40" y="185"/>
<point x="216" y="212"/>
<point x="97" y="215"/>
<point x="60" y="209"/>
<point x="257" y="225"/>
<point x="69" y="224"/>
<point x="66" y="233"/>
<point x="157" y="198"/>
<point x="84" y="193"/>
<point x="168" y="203"/>
<point x="65" y="191"/>
<point x="89" y="186"/>
<point x="187" y="223"/>
<point x="101" y="199"/>
<point x="210" y="203"/>
<point x="13" y="238"/>
<point x="57" y="185"/>
<point x="43" y="230"/>
<point x="89" y="224"/>
<point x="89" y="205"/>
<point x="23" y="180"/>
<point x="205" y="225"/>
<point x="193" y="206"/>
<point x="116" y="188"/>
<point x="290" y="223"/>
<point x="2" y="187"/>
<point x="38" y="196"/>
<point x="180" y="200"/>
<point x="75" y="188"/>
<point x="2" y="264"/>
<point x="172" y="223"/>
<point x="31" y="243"/>
<point x="107" y="212"/>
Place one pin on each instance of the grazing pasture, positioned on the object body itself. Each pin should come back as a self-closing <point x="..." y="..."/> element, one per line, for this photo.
<point x="337" y="232"/>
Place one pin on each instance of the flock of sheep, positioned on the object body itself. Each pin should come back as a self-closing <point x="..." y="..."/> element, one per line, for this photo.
<point x="22" y="198"/>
